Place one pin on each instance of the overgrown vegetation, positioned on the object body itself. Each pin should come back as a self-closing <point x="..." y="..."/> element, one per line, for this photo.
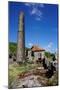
<point x="12" y="47"/>
<point x="15" y="70"/>
<point x="53" y="81"/>
<point x="49" y="55"/>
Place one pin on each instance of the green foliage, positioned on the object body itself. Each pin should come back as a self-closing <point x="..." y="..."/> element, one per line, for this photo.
<point x="52" y="55"/>
<point x="26" y="48"/>
<point x="48" y="54"/>
<point x="12" y="47"/>
<point x="53" y="81"/>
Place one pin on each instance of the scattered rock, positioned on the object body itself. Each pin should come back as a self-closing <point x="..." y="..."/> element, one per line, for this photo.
<point x="29" y="81"/>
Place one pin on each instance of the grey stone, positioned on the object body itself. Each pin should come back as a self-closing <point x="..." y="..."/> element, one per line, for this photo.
<point x="21" y="40"/>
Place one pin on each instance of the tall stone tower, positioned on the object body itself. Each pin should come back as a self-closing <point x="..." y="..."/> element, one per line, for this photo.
<point x="21" y="40"/>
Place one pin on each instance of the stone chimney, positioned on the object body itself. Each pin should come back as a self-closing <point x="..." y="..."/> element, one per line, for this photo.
<point x="21" y="40"/>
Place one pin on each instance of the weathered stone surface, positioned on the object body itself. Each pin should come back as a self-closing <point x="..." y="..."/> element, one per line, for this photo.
<point x="21" y="40"/>
<point x="29" y="81"/>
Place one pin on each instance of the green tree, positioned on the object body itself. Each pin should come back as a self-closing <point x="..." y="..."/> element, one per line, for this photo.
<point x="12" y="48"/>
<point x="48" y="54"/>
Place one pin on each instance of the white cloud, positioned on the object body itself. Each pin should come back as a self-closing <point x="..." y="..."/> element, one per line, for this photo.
<point x="27" y="4"/>
<point x="30" y="44"/>
<point x="38" y="18"/>
<point x="35" y="4"/>
<point x="56" y="50"/>
<point x="38" y="14"/>
<point x="50" y="47"/>
<point x="42" y="5"/>
<point x="35" y="10"/>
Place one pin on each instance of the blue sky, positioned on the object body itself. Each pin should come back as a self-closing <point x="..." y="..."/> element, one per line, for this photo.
<point x="41" y="24"/>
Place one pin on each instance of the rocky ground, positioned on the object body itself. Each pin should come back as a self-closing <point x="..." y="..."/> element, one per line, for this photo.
<point x="30" y="79"/>
<point x="32" y="76"/>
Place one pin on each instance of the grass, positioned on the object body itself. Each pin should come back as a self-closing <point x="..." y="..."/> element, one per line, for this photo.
<point x="15" y="69"/>
<point x="53" y="81"/>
